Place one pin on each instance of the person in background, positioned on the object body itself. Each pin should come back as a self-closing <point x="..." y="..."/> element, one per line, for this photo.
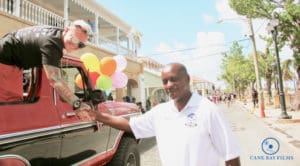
<point x="155" y="102"/>
<point x="140" y="105"/>
<point x="39" y="46"/>
<point x="205" y="136"/>
<point x="133" y="99"/>
<point x="254" y="98"/>
<point x="93" y="29"/>
<point x="110" y="97"/>
<point x="148" y="104"/>
<point x="228" y="101"/>
<point x="92" y="25"/>
<point x="126" y="99"/>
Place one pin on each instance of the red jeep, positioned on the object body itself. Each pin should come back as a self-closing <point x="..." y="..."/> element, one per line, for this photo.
<point x="44" y="130"/>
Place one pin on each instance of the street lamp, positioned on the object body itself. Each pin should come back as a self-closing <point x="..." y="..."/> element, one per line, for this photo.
<point x="260" y="89"/>
<point x="272" y="28"/>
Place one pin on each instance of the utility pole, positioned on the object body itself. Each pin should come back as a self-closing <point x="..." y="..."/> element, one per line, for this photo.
<point x="258" y="81"/>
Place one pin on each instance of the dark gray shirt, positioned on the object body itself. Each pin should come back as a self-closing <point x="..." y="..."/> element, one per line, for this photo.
<point x="32" y="47"/>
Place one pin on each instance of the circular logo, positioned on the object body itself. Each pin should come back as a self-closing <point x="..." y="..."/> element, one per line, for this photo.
<point x="270" y="146"/>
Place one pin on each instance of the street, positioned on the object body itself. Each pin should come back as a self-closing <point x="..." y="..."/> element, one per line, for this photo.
<point x="251" y="131"/>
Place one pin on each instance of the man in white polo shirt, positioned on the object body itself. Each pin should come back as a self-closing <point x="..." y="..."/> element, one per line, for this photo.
<point x="190" y="130"/>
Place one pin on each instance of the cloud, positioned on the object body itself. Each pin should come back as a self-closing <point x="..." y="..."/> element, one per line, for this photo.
<point x="224" y="10"/>
<point x="259" y="26"/>
<point x="163" y="47"/>
<point x="207" y="57"/>
<point x="208" y="18"/>
<point x="204" y="57"/>
<point x="203" y="60"/>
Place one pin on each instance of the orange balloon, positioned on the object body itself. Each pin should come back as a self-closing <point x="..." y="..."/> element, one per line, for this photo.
<point x="108" y="66"/>
<point x="78" y="81"/>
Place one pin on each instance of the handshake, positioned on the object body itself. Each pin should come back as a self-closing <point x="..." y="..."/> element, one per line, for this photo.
<point x="86" y="113"/>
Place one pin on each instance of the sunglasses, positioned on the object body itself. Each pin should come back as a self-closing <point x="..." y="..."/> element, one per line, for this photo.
<point x="83" y="30"/>
<point x="75" y="40"/>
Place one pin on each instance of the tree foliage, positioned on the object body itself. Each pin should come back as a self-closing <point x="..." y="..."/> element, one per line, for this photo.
<point x="237" y="70"/>
<point x="288" y="13"/>
<point x="252" y="8"/>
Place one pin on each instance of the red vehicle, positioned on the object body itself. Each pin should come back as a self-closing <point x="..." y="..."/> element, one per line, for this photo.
<point x="44" y="130"/>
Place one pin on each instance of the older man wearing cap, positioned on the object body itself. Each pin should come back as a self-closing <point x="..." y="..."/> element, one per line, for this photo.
<point x="39" y="46"/>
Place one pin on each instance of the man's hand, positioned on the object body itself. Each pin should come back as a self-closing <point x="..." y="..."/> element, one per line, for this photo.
<point x="84" y="106"/>
<point x="117" y="122"/>
<point x="84" y="115"/>
<point x="83" y="112"/>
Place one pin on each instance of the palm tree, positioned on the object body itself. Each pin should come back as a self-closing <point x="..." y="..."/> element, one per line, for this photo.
<point x="288" y="75"/>
<point x="266" y="62"/>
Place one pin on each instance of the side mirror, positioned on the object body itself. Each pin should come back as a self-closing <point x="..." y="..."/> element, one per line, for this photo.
<point x="98" y="96"/>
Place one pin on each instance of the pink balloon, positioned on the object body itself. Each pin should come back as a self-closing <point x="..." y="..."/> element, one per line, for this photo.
<point x="119" y="80"/>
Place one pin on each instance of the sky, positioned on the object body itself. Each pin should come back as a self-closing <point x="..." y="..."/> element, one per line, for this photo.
<point x="189" y="32"/>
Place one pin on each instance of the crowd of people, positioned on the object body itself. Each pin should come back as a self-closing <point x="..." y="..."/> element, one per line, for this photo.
<point x="225" y="98"/>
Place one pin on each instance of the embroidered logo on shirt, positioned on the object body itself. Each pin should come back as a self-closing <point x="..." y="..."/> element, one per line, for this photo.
<point x="191" y="120"/>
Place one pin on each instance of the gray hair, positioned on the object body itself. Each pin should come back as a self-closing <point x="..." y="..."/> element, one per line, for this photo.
<point x="83" y="25"/>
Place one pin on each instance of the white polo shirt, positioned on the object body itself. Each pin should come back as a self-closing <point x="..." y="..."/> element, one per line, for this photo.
<point x="198" y="135"/>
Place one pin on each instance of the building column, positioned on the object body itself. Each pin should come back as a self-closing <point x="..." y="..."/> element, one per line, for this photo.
<point x="142" y="89"/>
<point x="66" y="13"/>
<point x="118" y="39"/>
<point x="119" y="94"/>
<point x="96" y="37"/>
<point x="18" y="9"/>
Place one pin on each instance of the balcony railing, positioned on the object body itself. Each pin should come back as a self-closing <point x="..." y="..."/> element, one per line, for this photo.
<point x="40" y="16"/>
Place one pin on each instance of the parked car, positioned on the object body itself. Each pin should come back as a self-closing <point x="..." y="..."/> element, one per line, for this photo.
<point x="44" y="130"/>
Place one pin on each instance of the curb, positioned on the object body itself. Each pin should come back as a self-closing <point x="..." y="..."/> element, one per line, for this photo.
<point x="283" y="121"/>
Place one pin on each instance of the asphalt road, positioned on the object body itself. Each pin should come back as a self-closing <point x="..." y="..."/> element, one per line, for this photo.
<point x="250" y="132"/>
<point x="149" y="152"/>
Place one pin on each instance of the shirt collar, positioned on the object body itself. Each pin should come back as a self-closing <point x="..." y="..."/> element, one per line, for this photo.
<point x="193" y="101"/>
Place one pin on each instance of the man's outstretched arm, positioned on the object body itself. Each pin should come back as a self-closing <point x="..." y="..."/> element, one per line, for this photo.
<point x="54" y="76"/>
<point x="117" y="122"/>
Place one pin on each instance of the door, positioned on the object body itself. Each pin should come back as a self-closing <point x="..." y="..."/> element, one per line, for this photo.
<point x="30" y="129"/>
<point x="80" y="139"/>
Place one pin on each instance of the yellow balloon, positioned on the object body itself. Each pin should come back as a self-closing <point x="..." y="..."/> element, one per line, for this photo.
<point x="91" y="62"/>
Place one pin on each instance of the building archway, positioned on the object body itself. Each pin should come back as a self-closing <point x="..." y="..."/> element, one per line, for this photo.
<point x="132" y="88"/>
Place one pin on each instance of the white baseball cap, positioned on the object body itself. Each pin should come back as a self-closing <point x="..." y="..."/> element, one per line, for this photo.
<point x="83" y="25"/>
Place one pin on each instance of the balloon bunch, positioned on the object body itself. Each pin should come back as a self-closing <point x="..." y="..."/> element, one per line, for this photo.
<point x="106" y="73"/>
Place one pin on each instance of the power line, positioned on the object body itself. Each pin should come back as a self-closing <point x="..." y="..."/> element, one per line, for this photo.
<point x="194" y="48"/>
<point x="260" y="26"/>
<point x="208" y="55"/>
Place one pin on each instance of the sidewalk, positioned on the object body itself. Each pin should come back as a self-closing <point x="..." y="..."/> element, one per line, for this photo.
<point x="287" y="130"/>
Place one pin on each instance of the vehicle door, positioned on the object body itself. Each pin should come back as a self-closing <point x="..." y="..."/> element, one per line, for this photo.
<point x="30" y="129"/>
<point x="80" y="139"/>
